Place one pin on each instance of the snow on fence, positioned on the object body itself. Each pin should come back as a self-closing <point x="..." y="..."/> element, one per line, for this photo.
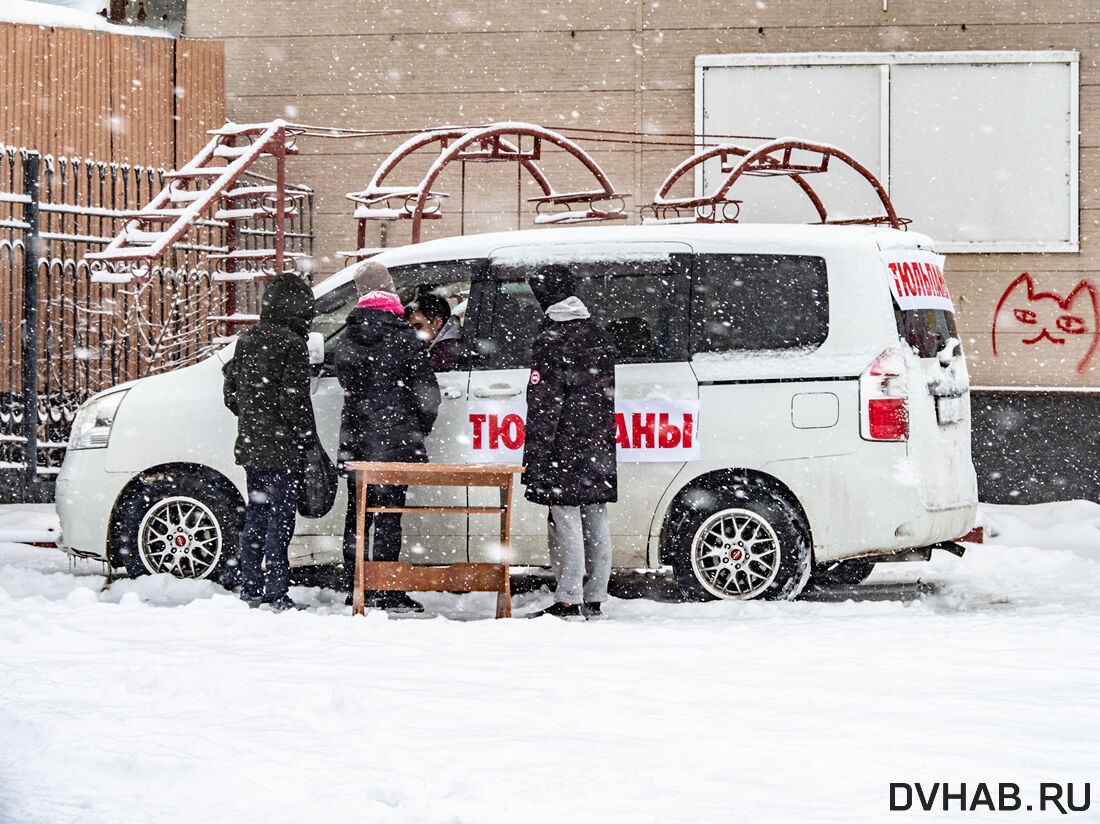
<point x="66" y="338"/>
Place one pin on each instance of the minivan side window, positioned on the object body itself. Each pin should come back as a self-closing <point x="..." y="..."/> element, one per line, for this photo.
<point x="456" y="296"/>
<point x="450" y="280"/>
<point x="758" y="302"/>
<point x="629" y="299"/>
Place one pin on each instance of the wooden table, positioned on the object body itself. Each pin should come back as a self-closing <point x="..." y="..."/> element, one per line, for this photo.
<point x="406" y="577"/>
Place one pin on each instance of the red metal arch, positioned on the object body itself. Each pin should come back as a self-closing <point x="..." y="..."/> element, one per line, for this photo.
<point x="499" y="142"/>
<point x="490" y="138"/>
<point x="375" y="189"/>
<point x="376" y="192"/>
<point x="764" y="162"/>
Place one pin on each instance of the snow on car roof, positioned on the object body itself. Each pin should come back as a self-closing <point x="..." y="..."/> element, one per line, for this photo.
<point x="537" y="244"/>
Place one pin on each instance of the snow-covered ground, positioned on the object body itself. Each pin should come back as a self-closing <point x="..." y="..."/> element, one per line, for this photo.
<point x="159" y="700"/>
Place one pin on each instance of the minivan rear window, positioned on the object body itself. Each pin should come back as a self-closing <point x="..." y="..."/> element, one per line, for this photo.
<point x="926" y="330"/>
<point x="758" y="302"/>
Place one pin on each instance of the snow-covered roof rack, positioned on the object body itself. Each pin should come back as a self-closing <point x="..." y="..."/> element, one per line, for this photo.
<point x="507" y="142"/>
<point x="210" y="187"/>
<point x="785" y="157"/>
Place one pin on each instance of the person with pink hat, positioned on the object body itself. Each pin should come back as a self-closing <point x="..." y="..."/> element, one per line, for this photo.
<point x="391" y="399"/>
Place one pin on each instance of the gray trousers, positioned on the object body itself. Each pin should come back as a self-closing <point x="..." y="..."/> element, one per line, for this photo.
<point x="580" y="552"/>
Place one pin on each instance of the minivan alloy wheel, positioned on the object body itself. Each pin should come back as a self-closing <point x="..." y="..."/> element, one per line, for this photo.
<point x="741" y="540"/>
<point x="183" y="524"/>
<point x="180" y="535"/>
<point x="735" y="554"/>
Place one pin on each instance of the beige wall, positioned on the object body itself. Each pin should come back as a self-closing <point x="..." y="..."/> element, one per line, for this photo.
<point x="628" y="66"/>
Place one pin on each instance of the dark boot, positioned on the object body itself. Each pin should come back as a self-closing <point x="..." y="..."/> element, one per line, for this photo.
<point x="397" y="602"/>
<point x="591" y="609"/>
<point x="560" y="610"/>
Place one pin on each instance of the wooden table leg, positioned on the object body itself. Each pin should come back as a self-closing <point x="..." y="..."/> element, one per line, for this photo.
<point x="360" y="543"/>
<point x="504" y="596"/>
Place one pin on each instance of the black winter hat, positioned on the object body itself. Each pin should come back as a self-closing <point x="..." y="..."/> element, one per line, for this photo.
<point x="552" y="284"/>
<point x="288" y="299"/>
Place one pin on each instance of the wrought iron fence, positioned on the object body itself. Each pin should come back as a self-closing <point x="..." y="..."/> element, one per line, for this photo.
<point x="64" y="337"/>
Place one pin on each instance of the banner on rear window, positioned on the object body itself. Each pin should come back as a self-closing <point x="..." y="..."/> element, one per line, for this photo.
<point x="916" y="279"/>
<point x="646" y="431"/>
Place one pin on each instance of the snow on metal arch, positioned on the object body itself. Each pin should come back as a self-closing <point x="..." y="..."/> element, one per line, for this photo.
<point x="773" y="159"/>
<point x="494" y="147"/>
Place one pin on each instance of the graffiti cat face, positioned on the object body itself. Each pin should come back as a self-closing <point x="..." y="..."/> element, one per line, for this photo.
<point x="1047" y="318"/>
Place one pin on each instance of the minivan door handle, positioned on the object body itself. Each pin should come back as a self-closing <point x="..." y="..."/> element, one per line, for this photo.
<point x="451" y="392"/>
<point x="497" y="390"/>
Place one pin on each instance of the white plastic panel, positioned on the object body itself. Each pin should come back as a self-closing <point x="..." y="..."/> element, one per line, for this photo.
<point x="979" y="148"/>
<point x="981" y="153"/>
<point x="827" y="104"/>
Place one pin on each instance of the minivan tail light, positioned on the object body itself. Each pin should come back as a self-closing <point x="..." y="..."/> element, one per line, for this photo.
<point x="883" y="402"/>
<point x="890" y="364"/>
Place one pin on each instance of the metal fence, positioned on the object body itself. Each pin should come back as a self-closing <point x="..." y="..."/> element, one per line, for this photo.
<point x="64" y="337"/>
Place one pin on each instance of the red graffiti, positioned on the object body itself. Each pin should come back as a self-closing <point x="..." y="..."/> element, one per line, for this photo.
<point x="1052" y="317"/>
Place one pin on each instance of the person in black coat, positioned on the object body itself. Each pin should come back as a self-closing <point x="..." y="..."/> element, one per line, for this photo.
<point x="569" y="448"/>
<point x="391" y="399"/>
<point x="267" y="388"/>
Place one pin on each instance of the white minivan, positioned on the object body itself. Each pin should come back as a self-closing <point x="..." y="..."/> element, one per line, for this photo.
<point x="791" y="400"/>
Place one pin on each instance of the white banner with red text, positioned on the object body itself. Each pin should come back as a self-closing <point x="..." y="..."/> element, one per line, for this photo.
<point x="916" y="279"/>
<point x="645" y="431"/>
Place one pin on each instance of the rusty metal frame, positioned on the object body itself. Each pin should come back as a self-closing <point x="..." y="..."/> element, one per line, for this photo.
<point x="773" y="159"/>
<point x="485" y="144"/>
<point x="207" y="188"/>
<point x="177" y="208"/>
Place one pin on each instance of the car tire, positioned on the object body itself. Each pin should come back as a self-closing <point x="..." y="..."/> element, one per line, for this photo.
<point x="179" y="524"/>
<point x="740" y="542"/>
<point x="840" y="574"/>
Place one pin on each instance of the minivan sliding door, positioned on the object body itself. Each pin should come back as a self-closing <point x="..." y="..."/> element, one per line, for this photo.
<point x="632" y="291"/>
<point x="426" y="538"/>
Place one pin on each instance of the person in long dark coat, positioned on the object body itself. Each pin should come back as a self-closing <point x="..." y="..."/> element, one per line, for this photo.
<point x="391" y="399"/>
<point x="569" y="448"/>
<point x="267" y="388"/>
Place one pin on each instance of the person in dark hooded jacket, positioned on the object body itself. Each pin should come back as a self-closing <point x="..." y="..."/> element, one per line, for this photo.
<point x="569" y="444"/>
<point x="267" y="388"/>
<point x="391" y="399"/>
<point x="430" y="316"/>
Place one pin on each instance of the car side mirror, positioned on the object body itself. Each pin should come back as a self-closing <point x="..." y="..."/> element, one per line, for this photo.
<point x="315" y="343"/>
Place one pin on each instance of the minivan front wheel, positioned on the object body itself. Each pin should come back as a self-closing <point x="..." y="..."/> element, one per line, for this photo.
<point x="740" y="543"/>
<point x="180" y="526"/>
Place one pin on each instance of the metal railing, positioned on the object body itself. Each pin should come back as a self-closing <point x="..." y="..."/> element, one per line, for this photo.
<point x="63" y="337"/>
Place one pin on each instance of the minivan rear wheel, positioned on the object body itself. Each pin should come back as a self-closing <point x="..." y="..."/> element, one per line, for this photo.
<point x="743" y="542"/>
<point x="180" y="525"/>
